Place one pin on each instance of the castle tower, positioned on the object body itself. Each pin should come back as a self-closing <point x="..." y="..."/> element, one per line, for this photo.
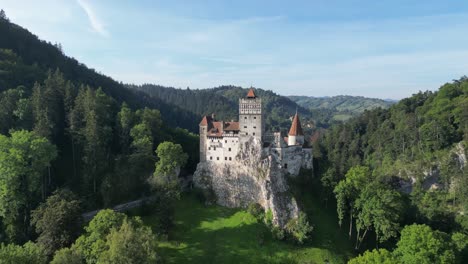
<point x="296" y="135"/>
<point x="204" y="127"/>
<point x="250" y="115"/>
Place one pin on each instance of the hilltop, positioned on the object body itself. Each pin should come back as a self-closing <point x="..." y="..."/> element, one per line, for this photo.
<point x="341" y="107"/>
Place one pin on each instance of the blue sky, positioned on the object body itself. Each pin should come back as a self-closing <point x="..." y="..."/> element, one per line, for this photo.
<point x="385" y="49"/>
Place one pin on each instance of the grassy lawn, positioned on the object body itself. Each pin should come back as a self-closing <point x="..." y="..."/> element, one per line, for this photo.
<point x="215" y="234"/>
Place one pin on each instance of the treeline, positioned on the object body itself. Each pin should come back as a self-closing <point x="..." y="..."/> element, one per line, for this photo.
<point x="74" y="136"/>
<point x="390" y="168"/>
<point x="224" y="101"/>
<point x="101" y="150"/>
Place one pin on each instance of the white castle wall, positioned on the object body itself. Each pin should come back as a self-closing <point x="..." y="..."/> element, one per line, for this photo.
<point x="221" y="149"/>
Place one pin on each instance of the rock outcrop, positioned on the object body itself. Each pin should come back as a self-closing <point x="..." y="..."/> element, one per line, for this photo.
<point x="254" y="176"/>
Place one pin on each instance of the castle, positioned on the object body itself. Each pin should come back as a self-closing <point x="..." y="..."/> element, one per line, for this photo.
<point x="241" y="164"/>
<point x="220" y="141"/>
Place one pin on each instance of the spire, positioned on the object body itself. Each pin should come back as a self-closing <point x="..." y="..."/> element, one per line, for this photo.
<point x="251" y="93"/>
<point x="296" y="128"/>
<point x="206" y="121"/>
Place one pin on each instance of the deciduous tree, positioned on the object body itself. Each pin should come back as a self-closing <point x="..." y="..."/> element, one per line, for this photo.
<point x="57" y="221"/>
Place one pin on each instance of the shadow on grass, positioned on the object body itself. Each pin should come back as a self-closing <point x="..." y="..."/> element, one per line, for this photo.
<point x="327" y="234"/>
<point x="246" y="243"/>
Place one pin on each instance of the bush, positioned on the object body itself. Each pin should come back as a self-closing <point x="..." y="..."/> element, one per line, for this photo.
<point x="299" y="228"/>
<point x="256" y="210"/>
<point x="277" y="233"/>
<point x="268" y="219"/>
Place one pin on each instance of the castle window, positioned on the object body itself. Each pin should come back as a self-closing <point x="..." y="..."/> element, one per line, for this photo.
<point x="285" y="165"/>
<point x="245" y="117"/>
<point x="214" y="148"/>
<point x="209" y="148"/>
<point x="247" y="133"/>
<point x="229" y="149"/>
<point x="225" y="141"/>
<point x="255" y="117"/>
<point x="217" y="158"/>
<point x="255" y="127"/>
<point x="230" y="158"/>
<point x="211" y="158"/>
<point x="245" y="126"/>
<point x="253" y="133"/>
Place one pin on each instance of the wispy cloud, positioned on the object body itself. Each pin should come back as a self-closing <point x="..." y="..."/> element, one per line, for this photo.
<point x="96" y="23"/>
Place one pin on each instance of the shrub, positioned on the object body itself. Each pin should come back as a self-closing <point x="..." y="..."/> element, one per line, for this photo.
<point x="268" y="219"/>
<point x="256" y="210"/>
<point x="299" y="228"/>
<point x="277" y="233"/>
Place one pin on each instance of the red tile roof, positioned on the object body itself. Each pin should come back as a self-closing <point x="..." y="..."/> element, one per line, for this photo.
<point x="231" y="126"/>
<point x="206" y="120"/>
<point x="217" y="128"/>
<point x="296" y="128"/>
<point x="251" y="94"/>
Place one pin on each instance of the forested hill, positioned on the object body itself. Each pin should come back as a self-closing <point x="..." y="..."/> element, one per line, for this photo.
<point x="224" y="101"/>
<point x="343" y="107"/>
<point x="354" y="104"/>
<point x="30" y="59"/>
<point x="102" y="135"/>
<point x="388" y="168"/>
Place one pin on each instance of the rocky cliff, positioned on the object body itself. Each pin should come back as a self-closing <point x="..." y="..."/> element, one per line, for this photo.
<point x="254" y="176"/>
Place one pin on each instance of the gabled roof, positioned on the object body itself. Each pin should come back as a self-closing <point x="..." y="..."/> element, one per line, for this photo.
<point x="296" y="128"/>
<point x="251" y="93"/>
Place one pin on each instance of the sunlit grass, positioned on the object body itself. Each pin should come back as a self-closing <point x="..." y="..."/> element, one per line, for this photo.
<point x="215" y="234"/>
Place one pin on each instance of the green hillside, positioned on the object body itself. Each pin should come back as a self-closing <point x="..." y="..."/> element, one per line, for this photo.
<point x="391" y="168"/>
<point x="341" y="107"/>
<point x="92" y="120"/>
<point x="26" y="59"/>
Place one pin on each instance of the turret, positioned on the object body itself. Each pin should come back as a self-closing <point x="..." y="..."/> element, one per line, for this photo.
<point x="204" y="126"/>
<point x="296" y="135"/>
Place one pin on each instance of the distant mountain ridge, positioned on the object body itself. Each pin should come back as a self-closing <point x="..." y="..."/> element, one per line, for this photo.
<point x="223" y="101"/>
<point x="315" y="112"/>
<point x="343" y="107"/>
<point x="355" y="104"/>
